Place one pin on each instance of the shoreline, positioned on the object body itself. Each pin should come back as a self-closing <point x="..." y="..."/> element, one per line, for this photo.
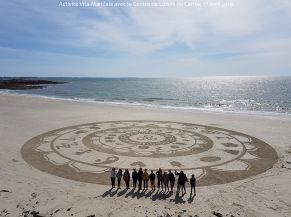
<point x="29" y="189"/>
<point x="262" y="114"/>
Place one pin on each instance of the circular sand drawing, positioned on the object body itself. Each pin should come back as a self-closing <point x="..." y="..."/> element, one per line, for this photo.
<point x="88" y="152"/>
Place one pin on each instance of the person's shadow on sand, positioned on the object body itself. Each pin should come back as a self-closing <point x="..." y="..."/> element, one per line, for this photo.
<point x="178" y="199"/>
<point x="113" y="193"/>
<point x="149" y="194"/>
<point x="110" y="193"/>
<point x="141" y="194"/>
<point x="138" y="194"/>
<point x="130" y="193"/>
<point x="158" y="195"/>
<point x="122" y="192"/>
<point x="107" y="193"/>
<point x="191" y="198"/>
<point x="161" y="195"/>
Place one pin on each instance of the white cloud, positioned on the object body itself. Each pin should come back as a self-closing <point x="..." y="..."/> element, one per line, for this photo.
<point x="258" y="29"/>
<point x="145" y="29"/>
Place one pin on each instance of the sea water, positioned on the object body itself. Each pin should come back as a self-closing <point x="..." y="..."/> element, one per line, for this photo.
<point x="226" y="94"/>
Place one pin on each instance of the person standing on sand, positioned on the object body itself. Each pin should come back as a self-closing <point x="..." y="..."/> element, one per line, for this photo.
<point x="112" y="177"/>
<point x="119" y="176"/>
<point x="145" y="178"/>
<point x="181" y="179"/>
<point x="166" y="180"/>
<point x="184" y="180"/>
<point x="134" y="178"/>
<point x="126" y="178"/>
<point x="160" y="178"/>
<point x="193" y="184"/>
<point x="139" y="178"/>
<point x="172" y="180"/>
<point x="152" y="180"/>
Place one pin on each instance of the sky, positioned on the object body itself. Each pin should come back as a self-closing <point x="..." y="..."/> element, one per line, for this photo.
<point x="50" y="38"/>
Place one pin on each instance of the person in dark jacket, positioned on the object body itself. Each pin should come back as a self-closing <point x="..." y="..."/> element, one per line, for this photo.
<point x="193" y="184"/>
<point x="119" y="176"/>
<point x="166" y="180"/>
<point x="152" y="180"/>
<point x="172" y="180"/>
<point x="126" y="178"/>
<point x="139" y="178"/>
<point x="160" y="178"/>
<point x="181" y="181"/>
<point x="184" y="180"/>
<point x="134" y="178"/>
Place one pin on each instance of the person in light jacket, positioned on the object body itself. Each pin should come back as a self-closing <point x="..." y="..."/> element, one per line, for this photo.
<point x="112" y="177"/>
<point x="145" y="178"/>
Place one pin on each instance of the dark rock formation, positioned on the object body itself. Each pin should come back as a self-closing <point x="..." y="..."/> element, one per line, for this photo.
<point x="22" y="84"/>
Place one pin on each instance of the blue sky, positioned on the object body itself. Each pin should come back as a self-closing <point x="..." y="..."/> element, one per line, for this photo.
<point x="42" y="38"/>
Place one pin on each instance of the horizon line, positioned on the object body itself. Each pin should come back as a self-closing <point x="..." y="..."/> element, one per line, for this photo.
<point x="197" y="76"/>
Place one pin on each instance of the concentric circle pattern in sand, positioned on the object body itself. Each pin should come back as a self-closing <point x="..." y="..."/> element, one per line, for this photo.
<point x="87" y="152"/>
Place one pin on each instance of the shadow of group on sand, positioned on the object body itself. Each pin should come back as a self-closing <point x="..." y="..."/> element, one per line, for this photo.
<point x="153" y="195"/>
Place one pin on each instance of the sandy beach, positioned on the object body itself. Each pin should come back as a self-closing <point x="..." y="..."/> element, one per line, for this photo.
<point x="28" y="191"/>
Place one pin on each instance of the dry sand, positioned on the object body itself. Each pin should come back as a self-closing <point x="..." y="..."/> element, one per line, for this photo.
<point x="26" y="191"/>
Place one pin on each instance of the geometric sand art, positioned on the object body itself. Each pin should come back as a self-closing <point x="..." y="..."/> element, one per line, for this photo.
<point x="87" y="152"/>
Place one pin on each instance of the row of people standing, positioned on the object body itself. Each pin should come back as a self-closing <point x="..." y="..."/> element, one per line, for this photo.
<point x="165" y="180"/>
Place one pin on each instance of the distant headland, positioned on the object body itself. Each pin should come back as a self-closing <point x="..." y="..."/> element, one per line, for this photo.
<point x="23" y="84"/>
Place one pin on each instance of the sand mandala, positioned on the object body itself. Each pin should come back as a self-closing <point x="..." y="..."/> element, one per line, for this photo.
<point x="88" y="152"/>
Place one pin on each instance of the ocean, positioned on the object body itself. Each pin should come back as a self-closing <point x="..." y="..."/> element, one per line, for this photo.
<point x="268" y="95"/>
